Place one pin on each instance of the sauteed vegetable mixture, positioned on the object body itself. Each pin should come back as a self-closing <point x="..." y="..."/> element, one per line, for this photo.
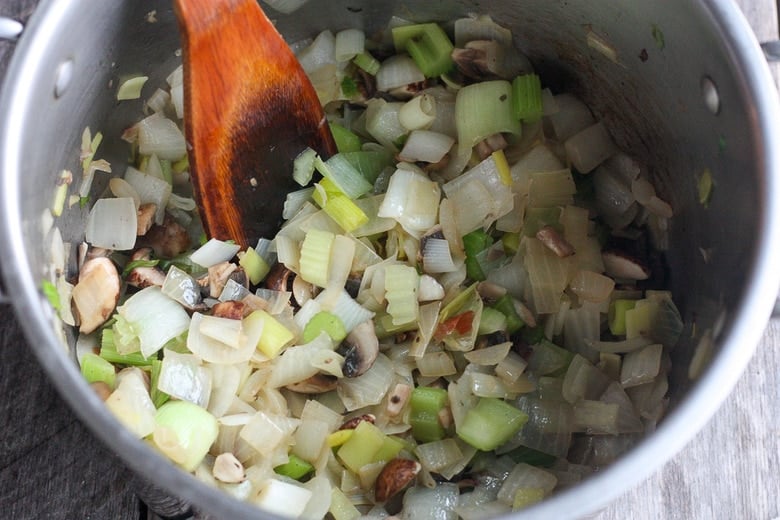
<point x="461" y="314"/>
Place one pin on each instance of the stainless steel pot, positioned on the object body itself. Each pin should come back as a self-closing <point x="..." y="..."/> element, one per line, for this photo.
<point x="687" y="89"/>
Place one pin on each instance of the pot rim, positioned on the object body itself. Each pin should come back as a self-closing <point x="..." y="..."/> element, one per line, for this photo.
<point x="736" y="345"/>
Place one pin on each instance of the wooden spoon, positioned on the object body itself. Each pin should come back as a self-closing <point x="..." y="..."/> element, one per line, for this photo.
<point x="249" y="111"/>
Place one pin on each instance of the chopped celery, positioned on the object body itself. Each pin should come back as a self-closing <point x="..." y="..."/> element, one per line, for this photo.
<point x="338" y="206"/>
<point x="484" y="109"/>
<point x="341" y="507"/>
<point x="303" y="166"/>
<point x="425" y="404"/>
<point x="159" y="397"/>
<point x="525" y="497"/>
<point x="350" y="90"/>
<point x="346" y="141"/>
<point x="109" y="353"/>
<point x="511" y="243"/>
<point x="343" y="175"/>
<point x="324" y="322"/>
<point x="491" y="423"/>
<point x="401" y="283"/>
<point x="185" y="432"/>
<point x="369" y="163"/>
<point x="385" y="327"/>
<point x="134" y="264"/>
<point x="367" y="62"/>
<point x="339" y="437"/>
<point x="51" y="293"/>
<point x="315" y="256"/>
<point x="502" y="165"/>
<point x="274" y="337"/>
<point x="548" y="358"/>
<point x="492" y="320"/>
<point x="533" y="335"/>
<point x="295" y="468"/>
<point x="617" y="315"/>
<point x="94" y="368"/>
<point x="527" y="98"/>
<point x="254" y="265"/>
<point x="460" y="303"/>
<point x="362" y="446"/>
<point x="705" y="187"/>
<point x="506" y="305"/>
<point x="473" y="244"/>
<point x="389" y="450"/>
<point x="431" y="50"/>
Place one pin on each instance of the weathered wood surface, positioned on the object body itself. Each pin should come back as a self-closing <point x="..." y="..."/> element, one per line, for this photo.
<point x="52" y="467"/>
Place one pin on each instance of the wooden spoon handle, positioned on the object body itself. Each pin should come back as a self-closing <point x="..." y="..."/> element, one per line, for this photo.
<point x="249" y="110"/>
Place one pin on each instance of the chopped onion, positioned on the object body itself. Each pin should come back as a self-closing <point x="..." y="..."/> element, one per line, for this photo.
<point x="159" y="135"/>
<point x="437" y="257"/>
<point x="590" y="286"/>
<point x="112" y="224"/>
<point x="294" y="365"/>
<point x="436" y="364"/>
<point x="641" y="366"/>
<point x="368" y="389"/>
<point x="418" y="113"/>
<point x="412" y="199"/>
<point x="158" y="101"/>
<point x="398" y="71"/>
<point x="583" y="381"/>
<point x="182" y="376"/>
<point x="426" y="146"/>
<point x="483" y="109"/>
<point x="525" y="476"/>
<point x="214" y="252"/>
<point x="130" y="403"/>
<point x="492" y="355"/>
<point x="131" y="88"/>
<point x="437" y="455"/>
<point x="589" y="148"/>
<point x="349" y="43"/>
<point x="214" y="351"/>
<point x="438" y="503"/>
<point x="572" y="116"/>
<point x="150" y="189"/>
<point x="320" y="53"/>
<point x="382" y="122"/>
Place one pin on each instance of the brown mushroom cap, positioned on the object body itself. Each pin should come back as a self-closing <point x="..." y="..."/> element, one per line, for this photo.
<point x="360" y="349"/>
<point x="96" y="294"/>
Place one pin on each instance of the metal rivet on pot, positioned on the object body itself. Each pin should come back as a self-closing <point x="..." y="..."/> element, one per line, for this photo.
<point x="709" y="92"/>
<point x="63" y="77"/>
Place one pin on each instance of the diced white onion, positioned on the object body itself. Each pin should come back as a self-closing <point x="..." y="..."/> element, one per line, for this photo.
<point x="320" y="53"/>
<point x="214" y="351"/>
<point x="592" y="286"/>
<point x="398" y="71"/>
<point x="368" y="389"/>
<point x="525" y="476"/>
<point x="412" y="199"/>
<point x="159" y="135"/>
<point x="641" y="366"/>
<point x="150" y="189"/>
<point x="214" y="252"/>
<point x="121" y="188"/>
<point x="155" y="318"/>
<point x="183" y="377"/>
<point x="589" y="148"/>
<point x="349" y="43"/>
<point x="113" y="224"/>
<point x="572" y="116"/>
<point x="426" y="146"/>
<point x="131" y="405"/>
<point x="382" y="122"/>
<point x="436" y="364"/>
<point x="437" y="257"/>
<point x="418" y="113"/>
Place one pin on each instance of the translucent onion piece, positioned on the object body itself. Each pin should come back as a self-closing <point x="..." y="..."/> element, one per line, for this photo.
<point x="264" y="432"/>
<point x="573" y="116"/>
<point x="492" y="355"/>
<point x="112" y="224"/>
<point x="320" y="53"/>
<point x="368" y="389"/>
<point x="583" y="381"/>
<point x="382" y="122"/>
<point x="183" y="377"/>
<point x="214" y="252"/>
<point x="224" y="330"/>
<point x="295" y="201"/>
<point x="485" y="385"/>
<point x="549" y="425"/>
<point x="160" y="136"/>
<point x="641" y="366"/>
<point x="628" y="420"/>
<point x="525" y="476"/>
<point x="436" y="364"/>
<point x="437" y="257"/>
<point x="376" y="224"/>
<point x="411" y="199"/>
<point x="418" y="113"/>
<point x="590" y="286"/>
<point x="150" y="189"/>
<point x="131" y="405"/>
<point x="398" y="71"/>
<point x="589" y="148"/>
<point x="121" y="188"/>
<point x="553" y="188"/>
<point x="350" y="312"/>
<point x="437" y="503"/>
<point x="437" y="455"/>
<point x="596" y="417"/>
<point x="548" y="274"/>
<point x="154" y="318"/>
<point x="349" y="43"/>
<point x="214" y="351"/>
<point x="427" y="322"/>
<point x="426" y="146"/>
<point x="158" y="100"/>
<point x="619" y="347"/>
<point x="225" y="380"/>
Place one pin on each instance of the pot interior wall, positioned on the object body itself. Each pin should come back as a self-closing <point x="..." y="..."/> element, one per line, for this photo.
<point x="650" y="98"/>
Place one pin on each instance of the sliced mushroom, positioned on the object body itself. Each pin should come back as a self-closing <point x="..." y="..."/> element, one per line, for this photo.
<point x="96" y="293"/>
<point x="409" y="91"/>
<point x="360" y="349"/>
<point x="351" y="424"/>
<point x="227" y="468"/>
<point x="493" y="143"/>
<point x="490" y="291"/>
<point x="302" y="290"/>
<point x="143" y="277"/>
<point x="169" y="240"/>
<point x="397" y="399"/>
<point x="619" y="264"/>
<point x="145" y="218"/>
<point x="278" y="278"/>
<point x="316" y="384"/>
<point x="232" y="310"/>
<point x="395" y="477"/>
<point x="218" y="276"/>
<point x="554" y="241"/>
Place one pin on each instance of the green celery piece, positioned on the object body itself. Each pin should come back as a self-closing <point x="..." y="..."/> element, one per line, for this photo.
<point x="194" y="428"/>
<point x="349" y="87"/>
<point x="94" y="368"/>
<point x="548" y="358"/>
<point x="369" y="163"/>
<point x="346" y="141"/>
<point x="425" y="404"/>
<point x="491" y="423"/>
<point x="254" y="265"/>
<point x="474" y="243"/>
<point x="389" y="450"/>
<point x="492" y="320"/>
<point x="617" y="315"/>
<point x="385" y="328"/>
<point x="138" y="263"/>
<point x="361" y="448"/>
<point x="367" y="62"/>
<point x="326" y="322"/>
<point x="109" y="353"/>
<point x="460" y="303"/>
<point x="51" y="293"/>
<point x="159" y="397"/>
<point x="431" y="51"/>
<point x="506" y="306"/>
<point x="296" y="468"/>
<point x="527" y="98"/>
<point x="533" y="335"/>
<point x="511" y="243"/>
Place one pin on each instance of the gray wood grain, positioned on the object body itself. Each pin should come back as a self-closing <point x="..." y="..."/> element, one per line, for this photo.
<point x="52" y="467"/>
